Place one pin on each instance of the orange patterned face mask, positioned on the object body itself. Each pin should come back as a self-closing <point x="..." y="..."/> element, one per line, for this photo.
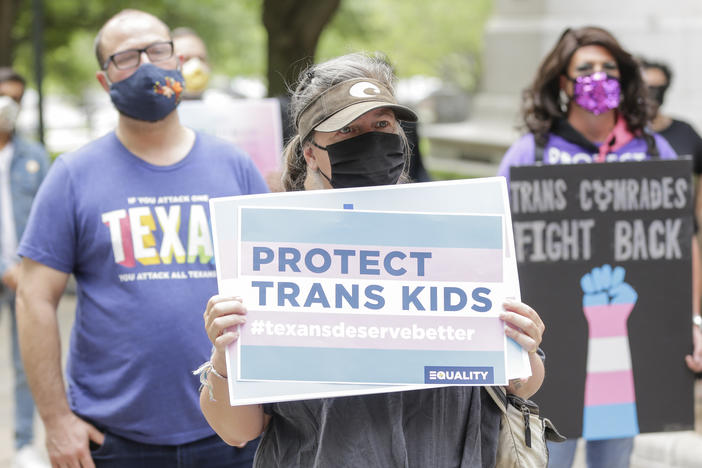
<point x="150" y="94"/>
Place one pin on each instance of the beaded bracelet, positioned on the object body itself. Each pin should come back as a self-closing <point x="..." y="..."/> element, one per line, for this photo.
<point x="204" y="371"/>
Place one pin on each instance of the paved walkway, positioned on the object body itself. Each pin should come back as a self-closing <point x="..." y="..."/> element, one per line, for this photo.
<point x="66" y="313"/>
<point x="673" y="450"/>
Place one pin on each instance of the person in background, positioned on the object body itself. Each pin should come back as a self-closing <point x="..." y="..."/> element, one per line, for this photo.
<point x="127" y="214"/>
<point x="347" y="134"/>
<point x="686" y="142"/>
<point x="587" y="104"/>
<point x="680" y="134"/>
<point x="23" y="165"/>
<point x="196" y="66"/>
<point x="197" y="71"/>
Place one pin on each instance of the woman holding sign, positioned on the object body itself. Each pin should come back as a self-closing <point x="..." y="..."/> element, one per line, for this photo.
<point x="587" y="104"/>
<point x="348" y="135"/>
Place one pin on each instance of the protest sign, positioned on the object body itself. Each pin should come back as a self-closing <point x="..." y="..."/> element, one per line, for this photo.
<point x="480" y="196"/>
<point x="604" y="256"/>
<point x="352" y="296"/>
<point x="254" y="125"/>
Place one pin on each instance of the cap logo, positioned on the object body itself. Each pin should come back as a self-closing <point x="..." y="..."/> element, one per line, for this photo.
<point x="364" y="89"/>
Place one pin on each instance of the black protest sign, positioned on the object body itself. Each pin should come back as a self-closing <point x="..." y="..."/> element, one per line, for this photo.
<point x="604" y="257"/>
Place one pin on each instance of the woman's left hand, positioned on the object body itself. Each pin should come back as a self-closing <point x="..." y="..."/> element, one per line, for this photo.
<point x="523" y="325"/>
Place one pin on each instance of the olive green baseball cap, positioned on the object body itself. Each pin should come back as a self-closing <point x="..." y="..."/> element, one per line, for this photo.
<point x="344" y="102"/>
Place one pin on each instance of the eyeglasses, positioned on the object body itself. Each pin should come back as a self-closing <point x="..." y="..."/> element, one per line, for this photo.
<point x="157" y="52"/>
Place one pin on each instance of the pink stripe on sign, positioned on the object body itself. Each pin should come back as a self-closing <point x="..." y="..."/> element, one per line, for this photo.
<point x="227" y="250"/>
<point x="606" y="388"/>
<point x="607" y="320"/>
<point x="445" y="264"/>
<point x="372" y="331"/>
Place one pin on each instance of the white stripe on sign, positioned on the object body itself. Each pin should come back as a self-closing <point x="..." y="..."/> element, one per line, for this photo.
<point x="608" y="354"/>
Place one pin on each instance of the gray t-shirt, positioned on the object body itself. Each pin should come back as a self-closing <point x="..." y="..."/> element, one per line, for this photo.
<point x="447" y="427"/>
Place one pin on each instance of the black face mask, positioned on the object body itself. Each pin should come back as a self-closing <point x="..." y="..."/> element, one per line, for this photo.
<point x="374" y="158"/>
<point x="657" y="93"/>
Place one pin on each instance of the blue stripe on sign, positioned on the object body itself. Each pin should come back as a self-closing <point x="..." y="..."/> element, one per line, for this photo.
<point x="357" y="365"/>
<point x="370" y="228"/>
<point x="610" y="421"/>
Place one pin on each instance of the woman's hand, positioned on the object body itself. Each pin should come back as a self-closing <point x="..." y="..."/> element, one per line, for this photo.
<point x="236" y="425"/>
<point x="222" y="317"/>
<point x="524" y="326"/>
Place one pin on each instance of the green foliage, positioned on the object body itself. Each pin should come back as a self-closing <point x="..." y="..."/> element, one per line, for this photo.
<point x="437" y="38"/>
<point x="231" y="29"/>
<point x="233" y="32"/>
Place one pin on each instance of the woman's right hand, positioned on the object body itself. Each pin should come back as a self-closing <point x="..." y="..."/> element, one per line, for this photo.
<point x="222" y="315"/>
<point x="236" y="425"/>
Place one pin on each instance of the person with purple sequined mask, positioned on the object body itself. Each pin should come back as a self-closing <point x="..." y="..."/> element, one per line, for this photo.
<point x="587" y="104"/>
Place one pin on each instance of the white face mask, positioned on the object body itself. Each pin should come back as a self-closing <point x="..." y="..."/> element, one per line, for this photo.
<point x="8" y="114"/>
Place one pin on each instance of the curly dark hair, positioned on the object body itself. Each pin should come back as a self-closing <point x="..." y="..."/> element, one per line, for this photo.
<point x="540" y="106"/>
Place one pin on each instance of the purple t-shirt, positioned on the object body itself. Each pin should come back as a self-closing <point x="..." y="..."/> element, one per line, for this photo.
<point x="137" y="238"/>
<point x="561" y="151"/>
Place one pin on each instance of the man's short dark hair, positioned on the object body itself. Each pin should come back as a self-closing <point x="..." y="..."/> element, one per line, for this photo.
<point x="8" y="74"/>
